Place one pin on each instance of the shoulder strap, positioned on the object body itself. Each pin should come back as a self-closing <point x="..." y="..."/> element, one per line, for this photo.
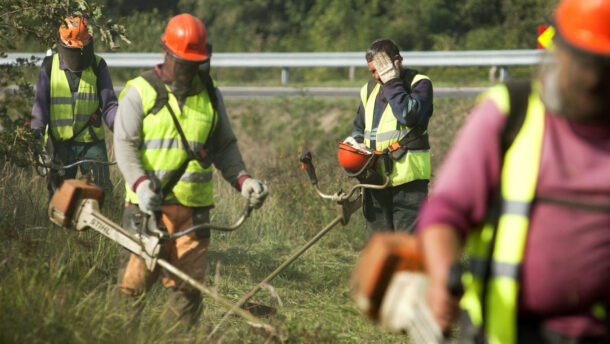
<point x="518" y="92"/>
<point x="206" y="79"/>
<point x="408" y="78"/>
<point x="47" y="64"/>
<point x="370" y="87"/>
<point x="157" y="84"/>
<point x="95" y="67"/>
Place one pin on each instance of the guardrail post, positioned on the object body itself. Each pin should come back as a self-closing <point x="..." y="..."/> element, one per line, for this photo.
<point x="352" y="73"/>
<point x="503" y="73"/>
<point x="285" y="75"/>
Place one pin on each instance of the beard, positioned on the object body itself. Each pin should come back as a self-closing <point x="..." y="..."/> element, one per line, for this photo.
<point x="581" y="107"/>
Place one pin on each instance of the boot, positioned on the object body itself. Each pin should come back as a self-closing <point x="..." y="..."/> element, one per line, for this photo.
<point x="182" y="311"/>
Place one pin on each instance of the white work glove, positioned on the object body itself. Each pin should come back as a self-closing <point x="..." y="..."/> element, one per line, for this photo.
<point x="352" y="142"/>
<point x="386" y="68"/>
<point x="404" y="308"/>
<point x="149" y="200"/>
<point x="255" y="191"/>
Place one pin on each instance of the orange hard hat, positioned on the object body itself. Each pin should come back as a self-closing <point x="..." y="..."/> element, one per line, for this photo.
<point x="73" y="32"/>
<point x="585" y="24"/>
<point x="185" y="38"/>
<point x="354" y="160"/>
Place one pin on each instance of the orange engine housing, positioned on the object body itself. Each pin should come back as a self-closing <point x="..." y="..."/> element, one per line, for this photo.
<point x="385" y="254"/>
<point x="64" y="201"/>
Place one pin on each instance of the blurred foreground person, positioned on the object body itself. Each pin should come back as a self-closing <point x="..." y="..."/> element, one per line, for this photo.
<point x="395" y="107"/>
<point x="171" y="126"/>
<point x="73" y="94"/>
<point x="525" y="191"/>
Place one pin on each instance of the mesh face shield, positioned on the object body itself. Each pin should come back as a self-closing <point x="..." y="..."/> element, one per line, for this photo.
<point x="77" y="59"/>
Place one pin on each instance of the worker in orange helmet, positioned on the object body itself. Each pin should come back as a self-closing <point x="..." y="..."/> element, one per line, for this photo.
<point x="525" y="192"/>
<point x="171" y="128"/>
<point x="74" y="95"/>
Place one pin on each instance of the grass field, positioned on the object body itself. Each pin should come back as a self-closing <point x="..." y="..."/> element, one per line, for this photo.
<point x="55" y="283"/>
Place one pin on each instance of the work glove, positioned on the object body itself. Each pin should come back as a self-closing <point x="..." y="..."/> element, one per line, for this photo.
<point x="255" y="191"/>
<point x="404" y="308"/>
<point x="150" y="200"/>
<point x="386" y="68"/>
<point x="352" y="142"/>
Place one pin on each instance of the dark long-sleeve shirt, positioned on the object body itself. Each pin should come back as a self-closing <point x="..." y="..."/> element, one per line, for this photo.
<point x="410" y="109"/>
<point x="42" y="99"/>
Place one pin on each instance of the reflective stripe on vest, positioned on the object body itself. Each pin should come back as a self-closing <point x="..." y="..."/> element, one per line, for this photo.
<point x="415" y="164"/>
<point x="518" y="185"/>
<point x="69" y="112"/>
<point x="161" y="150"/>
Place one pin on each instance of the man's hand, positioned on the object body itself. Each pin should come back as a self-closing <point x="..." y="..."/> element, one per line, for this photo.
<point x="255" y="191"/>
<point x="149" y="200"/>
<point x="443" y="306"/>
<point x="441" y="247"/>
<point x="386" y="68"/>
<point x="352" y="142"/>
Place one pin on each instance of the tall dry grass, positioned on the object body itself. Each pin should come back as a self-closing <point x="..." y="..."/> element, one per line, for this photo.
<point x="55" y="283"/>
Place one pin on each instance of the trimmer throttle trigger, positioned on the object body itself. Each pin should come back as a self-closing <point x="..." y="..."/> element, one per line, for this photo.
<point x="307" y="164"/>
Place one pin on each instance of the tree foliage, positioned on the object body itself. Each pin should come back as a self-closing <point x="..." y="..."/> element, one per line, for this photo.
<point x="350" y="25"/>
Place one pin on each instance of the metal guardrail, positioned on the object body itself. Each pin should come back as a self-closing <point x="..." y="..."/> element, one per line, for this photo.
<point x="499" y="58"/>
<point x="326" y="59"/>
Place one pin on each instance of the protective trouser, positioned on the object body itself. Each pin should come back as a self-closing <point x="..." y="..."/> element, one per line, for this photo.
<point x="65" y="153"/>
<point x="187" y="253"/>
<point x="394" y="208"/>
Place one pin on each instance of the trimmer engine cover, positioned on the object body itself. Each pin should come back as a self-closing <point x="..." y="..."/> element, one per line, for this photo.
<point x="385" y="254"/>
<point x="65" y="200"/>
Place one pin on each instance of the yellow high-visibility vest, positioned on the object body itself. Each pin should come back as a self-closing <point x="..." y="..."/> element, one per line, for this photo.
<point x="68" y="112"/>
<point x="413" y="165"/>
<point x="161" y="150"/>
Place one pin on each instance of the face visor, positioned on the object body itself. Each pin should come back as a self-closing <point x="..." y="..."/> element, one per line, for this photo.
<point x="77" y="59"/>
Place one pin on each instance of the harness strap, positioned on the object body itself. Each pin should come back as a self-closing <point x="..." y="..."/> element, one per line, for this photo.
<point x="518" y="92"/>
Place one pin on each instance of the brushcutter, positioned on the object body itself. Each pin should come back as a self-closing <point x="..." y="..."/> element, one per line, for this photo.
<point x="76" y="205"/>
<point x="54" y="171"/>
<point x="44" y="165"/>
<point x="390" y="286"/>
<point x="347" y="204"/>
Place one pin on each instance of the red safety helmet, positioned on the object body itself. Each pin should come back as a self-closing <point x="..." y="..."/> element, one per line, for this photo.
<point x="585" y="24"/>
<point x="73" y="32"/>
<point x="353" y="160"/>
<point x="185" y="38"/>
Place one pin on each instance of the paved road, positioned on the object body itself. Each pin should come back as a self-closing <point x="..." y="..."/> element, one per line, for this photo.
<point x="260" y="92"/>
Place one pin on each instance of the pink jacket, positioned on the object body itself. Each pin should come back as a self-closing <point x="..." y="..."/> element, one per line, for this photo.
<point x="566" y="263"/>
